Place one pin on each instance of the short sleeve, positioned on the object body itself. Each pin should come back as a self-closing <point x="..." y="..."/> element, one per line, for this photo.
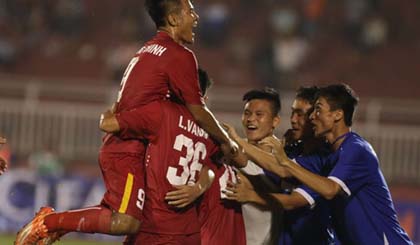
<point x="141" y="123"/>
<point x="183" y="78"/>
<point x="352" y="169"/>
<point x="310" y="195"/>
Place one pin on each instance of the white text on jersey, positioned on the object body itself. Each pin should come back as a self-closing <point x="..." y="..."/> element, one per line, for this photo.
<point x="155" y="49"/>
<point x="192" y="127"/>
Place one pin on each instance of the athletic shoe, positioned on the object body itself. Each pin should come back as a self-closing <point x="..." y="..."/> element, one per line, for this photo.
<point x="35" y="230"/>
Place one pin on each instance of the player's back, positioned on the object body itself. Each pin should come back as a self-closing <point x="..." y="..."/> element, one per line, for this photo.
<point x="152" y="75"/>
<point x="174" y="157"/>
<point x="221" y="220"/>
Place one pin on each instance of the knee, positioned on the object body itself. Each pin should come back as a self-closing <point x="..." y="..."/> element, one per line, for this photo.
<point x="123" y="224"/>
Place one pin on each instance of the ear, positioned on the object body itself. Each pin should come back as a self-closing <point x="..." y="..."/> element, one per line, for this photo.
<point x="338" y="115"/>
<point x="172" y="19"/>
<point x="276" y="121"/>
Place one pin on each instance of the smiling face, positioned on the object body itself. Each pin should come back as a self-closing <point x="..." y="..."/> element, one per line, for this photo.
<point x="187" y="21"/>
<point x="299" y="119"/>
<point x="323" y="118"/>
<point x="258" y="120"/>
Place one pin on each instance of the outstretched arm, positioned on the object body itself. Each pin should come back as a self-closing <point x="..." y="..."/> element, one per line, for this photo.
<point x="242" y="192"/>
<point x="260" y="156"/>
<point x="322" y="185"/>
<point x="205" y="118"/>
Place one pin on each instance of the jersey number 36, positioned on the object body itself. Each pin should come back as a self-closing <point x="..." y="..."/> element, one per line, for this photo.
<point x="190" y="162"/>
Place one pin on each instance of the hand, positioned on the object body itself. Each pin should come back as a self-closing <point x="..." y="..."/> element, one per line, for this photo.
<point x="108" y="123"/>
<point x="231" y="131"/>
<point x="244" y="180"/>
<point x="277" y="147"/>
<point x="184" y="195"/>
<point x="3" y="165"/>
<point x="240" y="191"/>
<point x="230" y="150"/>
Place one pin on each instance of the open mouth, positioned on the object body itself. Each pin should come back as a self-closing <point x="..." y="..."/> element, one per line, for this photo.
<point x="251" y="127"/>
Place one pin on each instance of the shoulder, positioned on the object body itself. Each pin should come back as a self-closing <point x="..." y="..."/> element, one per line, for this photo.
<point x="182" y="52"/>
<point x="358" y="146"/>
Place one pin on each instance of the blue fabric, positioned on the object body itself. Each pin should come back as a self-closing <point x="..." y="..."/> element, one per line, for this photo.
<point x="367" y="215"/>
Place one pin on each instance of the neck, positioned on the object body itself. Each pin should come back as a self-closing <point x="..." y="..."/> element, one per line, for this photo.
<point x="172" y="33"/>
<point x="334" y="137"/>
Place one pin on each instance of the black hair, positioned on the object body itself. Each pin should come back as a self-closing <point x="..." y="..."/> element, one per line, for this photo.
<point x="341" y="96"/>
<point x="159" y="9"/>
<point x="204" y="80"/>
<point x="269" y="94"/>
<point x="308" y="94"/>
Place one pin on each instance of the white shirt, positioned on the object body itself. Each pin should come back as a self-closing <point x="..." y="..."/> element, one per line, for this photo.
<point x="257" y="220"/>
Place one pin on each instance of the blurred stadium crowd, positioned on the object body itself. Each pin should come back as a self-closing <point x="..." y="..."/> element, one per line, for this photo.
<point x="280" y="43"/>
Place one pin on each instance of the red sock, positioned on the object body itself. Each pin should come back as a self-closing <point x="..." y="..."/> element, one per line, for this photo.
<point x="88" y="220"/>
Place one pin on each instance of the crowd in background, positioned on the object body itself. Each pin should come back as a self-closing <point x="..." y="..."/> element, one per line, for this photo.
<point x="270" y="42"/>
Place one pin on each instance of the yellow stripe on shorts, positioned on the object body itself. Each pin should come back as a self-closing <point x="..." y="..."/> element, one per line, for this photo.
<point x="127" y="193"/>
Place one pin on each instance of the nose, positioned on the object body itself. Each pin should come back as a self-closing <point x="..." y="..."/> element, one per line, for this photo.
<point x="250" y="118"/>
<point x="293" y="118"/>
<point x="312" y="115"/>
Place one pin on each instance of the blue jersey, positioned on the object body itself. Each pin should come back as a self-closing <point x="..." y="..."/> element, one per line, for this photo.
<point x="365" y="214"/>
<point x="310" y="224"/>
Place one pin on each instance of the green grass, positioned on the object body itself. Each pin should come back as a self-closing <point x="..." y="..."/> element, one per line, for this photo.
<point x="9" y="239"/>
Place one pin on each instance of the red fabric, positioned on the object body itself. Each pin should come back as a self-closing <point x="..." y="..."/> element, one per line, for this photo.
<point x="115" y="169"/>
<point x="161" y="239"/>
<point x="89" y="220"/>
<point x="161" y="65"/>
<point x="221" y="220"/>
<point x="173" y="157"/>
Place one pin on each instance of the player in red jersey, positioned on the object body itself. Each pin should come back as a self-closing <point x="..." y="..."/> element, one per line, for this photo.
<point x="176" y="152"/>
<point x="163" y="64"/>
<point x="3" y="162"/>
<point x="221" y="219"/>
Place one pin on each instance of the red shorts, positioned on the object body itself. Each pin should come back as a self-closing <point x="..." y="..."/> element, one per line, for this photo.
<point x="124" y="178"/>
<point x="161" y="239"/>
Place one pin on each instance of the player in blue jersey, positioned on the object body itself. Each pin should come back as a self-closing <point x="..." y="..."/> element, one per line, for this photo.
<point x="363" y="211"/>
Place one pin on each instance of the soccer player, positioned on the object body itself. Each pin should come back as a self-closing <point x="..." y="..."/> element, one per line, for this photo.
<point x="306" y="220"/>
<point x="177" y="150"/>
<point x="3" y="162"/>
<point x="163" y="64"/>
<point x="362" y="207"/>
<point x="259" y="119"/>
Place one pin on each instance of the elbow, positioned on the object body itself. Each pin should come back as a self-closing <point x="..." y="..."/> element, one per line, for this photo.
<point x="330" y="194"/>
<point x="288" y="207"/>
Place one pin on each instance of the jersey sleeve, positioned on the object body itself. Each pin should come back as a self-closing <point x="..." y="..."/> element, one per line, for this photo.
<point x="183" y="78"/>
<point x="352" y="169"/>
<point x="310" y="195"/>
<point x="315" y="164"/>
<point x="141" y="123"/>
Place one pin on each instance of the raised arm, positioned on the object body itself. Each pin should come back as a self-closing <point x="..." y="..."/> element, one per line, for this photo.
<point x="205" y="118"/>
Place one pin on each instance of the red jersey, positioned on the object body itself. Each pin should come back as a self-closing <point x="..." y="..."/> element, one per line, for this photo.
<point x="177" y="149"/>
<point x="161" y="65"/>
<point x="221" y="220"/>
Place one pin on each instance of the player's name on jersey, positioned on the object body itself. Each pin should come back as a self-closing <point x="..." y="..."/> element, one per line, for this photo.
<point x="154" y="49"/>
<point x="192" y="127"/>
